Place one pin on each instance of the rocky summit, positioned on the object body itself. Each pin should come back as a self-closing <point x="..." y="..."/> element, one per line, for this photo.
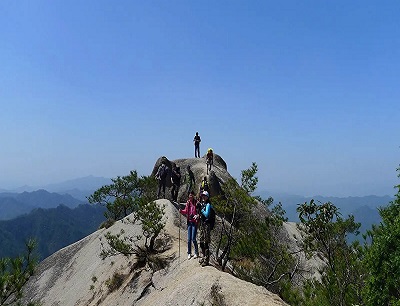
<point x="77" y="275"/>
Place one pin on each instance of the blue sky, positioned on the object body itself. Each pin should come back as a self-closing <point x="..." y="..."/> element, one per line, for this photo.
<point x="309" y="90"/>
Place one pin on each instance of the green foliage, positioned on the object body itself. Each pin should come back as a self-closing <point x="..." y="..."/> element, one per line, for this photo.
<point x="131" y="194"/>
<point x="150" y="216"/>
<point x="248" y="239"/>
<point x="106" y="224"/>
<point x="217" y="298"/>
<point x="122" y="196"/>
<point x="326" y="237"/>
<point x="15" y="273"/>
<point x="234" y="207"/>
<point x="382" y="257"/>
<point x="115" y="281"/>
<point x="118" y="244"/>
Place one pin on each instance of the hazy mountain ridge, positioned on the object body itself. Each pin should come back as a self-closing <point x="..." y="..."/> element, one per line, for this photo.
<point x="347" y="205"/>
<point x="364" y="209"/>
<point x="15" y="204"/>
<point x="53" y="228"/>
<point x="55" y="220"/>
<point x="79" y="188"/>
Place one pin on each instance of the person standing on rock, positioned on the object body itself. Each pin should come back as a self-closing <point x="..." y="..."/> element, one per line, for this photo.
<point x="190" y="212"/>
<point x="205" y="230"/>
<point x="161" y="176"/>
<point x="176" y="183"/>
<point x="189" y="180"/>
<point x="209" y="159"/>
<point x="197" y="141"/>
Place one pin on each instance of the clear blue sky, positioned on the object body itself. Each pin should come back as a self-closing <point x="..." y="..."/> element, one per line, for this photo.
<point x="309" y="90"/>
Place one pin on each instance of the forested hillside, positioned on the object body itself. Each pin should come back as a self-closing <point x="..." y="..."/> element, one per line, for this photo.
<point x="52" y="228"/>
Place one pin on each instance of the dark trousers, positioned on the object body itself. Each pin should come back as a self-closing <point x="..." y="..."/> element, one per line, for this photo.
<point x="196" y="150"/>
<point x="161" y="183"/>
<point x="205" y="239"/>
<point x="174" y="192"/>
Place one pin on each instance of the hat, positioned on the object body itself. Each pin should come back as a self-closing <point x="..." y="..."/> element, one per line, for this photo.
<point x="205" y="193"/>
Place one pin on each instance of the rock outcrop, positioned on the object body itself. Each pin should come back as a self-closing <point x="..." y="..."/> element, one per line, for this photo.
<point x="217" y="176"/>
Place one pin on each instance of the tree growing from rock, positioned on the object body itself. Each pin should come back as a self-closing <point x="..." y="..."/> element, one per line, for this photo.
<point x="15" y="273"/>
<point x="131" y="194"/>
<point x="122" y="196"/>
<point x="249" y="241"/>
<point x="326" y="237"/>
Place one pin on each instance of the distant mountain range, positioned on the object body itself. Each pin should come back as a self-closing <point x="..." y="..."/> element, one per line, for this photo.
<point x="52" y="228"/>
<point x="15" y="204"/>
<point x="364" y="209"/>
<point x="79" y="188"/>
<point x="54" y="219"/>
<point x="57" y="214"/>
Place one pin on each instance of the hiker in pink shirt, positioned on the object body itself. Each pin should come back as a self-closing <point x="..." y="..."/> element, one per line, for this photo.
<point x="192" y="216"/>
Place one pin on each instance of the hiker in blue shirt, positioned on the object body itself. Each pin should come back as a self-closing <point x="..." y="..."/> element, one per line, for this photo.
<point x="205" y="231"/>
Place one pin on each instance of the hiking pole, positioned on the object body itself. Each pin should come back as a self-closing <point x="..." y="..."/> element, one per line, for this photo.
<point x="179" y="237"/>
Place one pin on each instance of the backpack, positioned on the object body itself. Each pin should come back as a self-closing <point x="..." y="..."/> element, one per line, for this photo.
<point x="211" y="218"/>
<point x="162" y="171"/>
<point x="204" y="185"/>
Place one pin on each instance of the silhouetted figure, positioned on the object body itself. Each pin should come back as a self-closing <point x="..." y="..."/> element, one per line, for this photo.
<point x="209" y="159"/>
<point x="161" y="176"/>
<point x="176" y="183"/>
<point x="197" y="141"/>
<point x="189" y="180"/>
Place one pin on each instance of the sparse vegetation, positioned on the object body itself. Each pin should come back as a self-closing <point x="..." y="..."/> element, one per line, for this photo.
<point x="131" y="194"/>
<point x="248" y="241"/>
<point x="135" y="195"/>
<point x="14" y="274"/>
<point x="115" y="282"/>
<point x="217" y="298"/>
<point x="107" y="224"/>
<point x="124" y="195"/>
